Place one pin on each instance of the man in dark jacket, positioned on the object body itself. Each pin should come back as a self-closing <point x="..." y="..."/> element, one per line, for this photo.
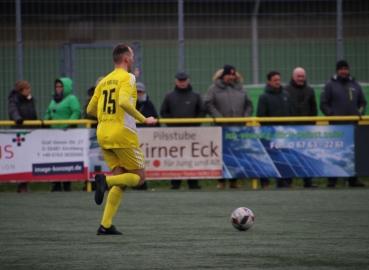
<point x="303" y="102"/>
<point x="302" y="95"/>
<point x="21" y="106"/>
<point x="182" y="102"/>
<point x="227" y="98"/>
<point x="343" y="96"/>
<point x="275" y="102"/>
<point x="147" y="108"/>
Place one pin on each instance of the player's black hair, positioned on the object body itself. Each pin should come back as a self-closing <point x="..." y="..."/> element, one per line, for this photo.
<point x="119" y="51"/>
<point x="271" y="74"/>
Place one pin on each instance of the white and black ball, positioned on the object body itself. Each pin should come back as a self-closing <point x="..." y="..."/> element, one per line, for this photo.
<point x="242" y="218"/>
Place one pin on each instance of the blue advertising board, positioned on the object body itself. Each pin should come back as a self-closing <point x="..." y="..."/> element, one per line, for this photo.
<point x="288" y="151"/>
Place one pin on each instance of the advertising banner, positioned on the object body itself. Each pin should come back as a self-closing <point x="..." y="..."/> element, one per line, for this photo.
<point x="184" y="153"/>
<point x="288" y="151"/>
<point x="172" y="153"/>
<point x="44" y="155"/>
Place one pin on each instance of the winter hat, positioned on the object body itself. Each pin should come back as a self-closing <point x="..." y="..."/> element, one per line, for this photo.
<point x="228" y="70"/>
<point x="140" y="87"/>
<point x="341" y="64"/>
<point x="182" y="76"/>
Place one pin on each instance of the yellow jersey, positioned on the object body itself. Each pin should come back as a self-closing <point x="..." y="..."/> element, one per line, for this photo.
<point x="114" y="103"/>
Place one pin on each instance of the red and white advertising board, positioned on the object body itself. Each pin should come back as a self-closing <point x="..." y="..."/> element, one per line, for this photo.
<point x="44" y="155"/>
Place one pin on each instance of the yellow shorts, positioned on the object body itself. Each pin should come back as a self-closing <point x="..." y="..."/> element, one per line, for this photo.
<point x="128" y="158"/>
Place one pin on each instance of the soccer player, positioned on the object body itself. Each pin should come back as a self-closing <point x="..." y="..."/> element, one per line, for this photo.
<point x="114" y="103"/>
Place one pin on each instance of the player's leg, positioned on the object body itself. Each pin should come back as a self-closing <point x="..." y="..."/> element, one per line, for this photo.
<point x="133" y="161"/>
<point x="112" y="203"/>
<point x="114" y="197"/>
<point x="141" y="173"/>
<point x="129" y="158"/>
<point x="118" y="183"/>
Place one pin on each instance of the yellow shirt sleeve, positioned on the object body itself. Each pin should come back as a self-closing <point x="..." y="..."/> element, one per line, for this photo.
<point x="126" y="100"/>
<point x="92" y="106"/>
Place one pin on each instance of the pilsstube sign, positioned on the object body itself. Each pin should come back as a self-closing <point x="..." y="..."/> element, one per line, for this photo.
<point x="177" y="153"/>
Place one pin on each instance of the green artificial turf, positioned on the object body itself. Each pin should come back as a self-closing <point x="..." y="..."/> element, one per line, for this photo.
<point x="293" y="229"/>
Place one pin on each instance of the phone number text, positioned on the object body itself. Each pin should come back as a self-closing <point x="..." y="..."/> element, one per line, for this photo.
<point x="309" y="145"/>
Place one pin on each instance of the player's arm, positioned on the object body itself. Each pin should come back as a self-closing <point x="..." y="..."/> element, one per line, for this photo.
<point x="92" y="107"/>
<point x="127" y="106"/>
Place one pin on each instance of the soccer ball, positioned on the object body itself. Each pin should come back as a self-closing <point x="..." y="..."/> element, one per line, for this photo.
<point x="242" y="218"/>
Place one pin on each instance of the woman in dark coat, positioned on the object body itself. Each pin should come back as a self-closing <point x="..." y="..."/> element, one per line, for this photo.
<point x="21" y="106"/>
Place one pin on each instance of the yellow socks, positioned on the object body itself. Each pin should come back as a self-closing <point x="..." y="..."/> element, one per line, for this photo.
<point x="126" y="179"/>
<point x="111" y="207"/>
<point x="116" y="194"/>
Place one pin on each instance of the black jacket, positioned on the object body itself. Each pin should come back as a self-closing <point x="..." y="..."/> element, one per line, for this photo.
<point x="302" y="99"/>
<point x="342" y="97"/>
<point x="147" y="109"/>
<point x="274" y="103"/>
<point x="182" y="103"/>
<point x="21" y="108"/>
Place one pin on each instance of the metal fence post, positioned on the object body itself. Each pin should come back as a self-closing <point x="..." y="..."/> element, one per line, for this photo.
<point x="138" y="61"/>
<point x="19" y="40"/>
<point x="73" y="64"/>
<point x="339" y="30"/>
<point x="255" y="52"/>
<point x="65" y="60"/>
<point x="181" y="35"/>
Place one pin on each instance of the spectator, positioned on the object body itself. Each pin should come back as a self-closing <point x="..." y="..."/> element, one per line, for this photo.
<point x="90" y="93"/>
<point x="21" y="106"/>
<point x="144" y="104"/>
<point x="227" y="98"/>
<point x="63" y="106"/>
<point x="303" y="103"/>
<point x="147" y="109"/>
<point x="275" y="102"/>
<point x="182" y="102"/>
<point x="343" y="96"/>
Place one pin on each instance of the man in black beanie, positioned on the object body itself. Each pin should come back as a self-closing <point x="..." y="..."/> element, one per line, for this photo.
<point x="342" y="64"/>
<point x="343" y="96"/>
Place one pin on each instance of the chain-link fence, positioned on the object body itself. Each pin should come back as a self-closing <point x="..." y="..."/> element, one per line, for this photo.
<point x="43" y="40"/>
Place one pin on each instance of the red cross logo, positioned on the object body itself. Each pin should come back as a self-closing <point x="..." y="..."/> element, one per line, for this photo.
<point x="19" y="140"/>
